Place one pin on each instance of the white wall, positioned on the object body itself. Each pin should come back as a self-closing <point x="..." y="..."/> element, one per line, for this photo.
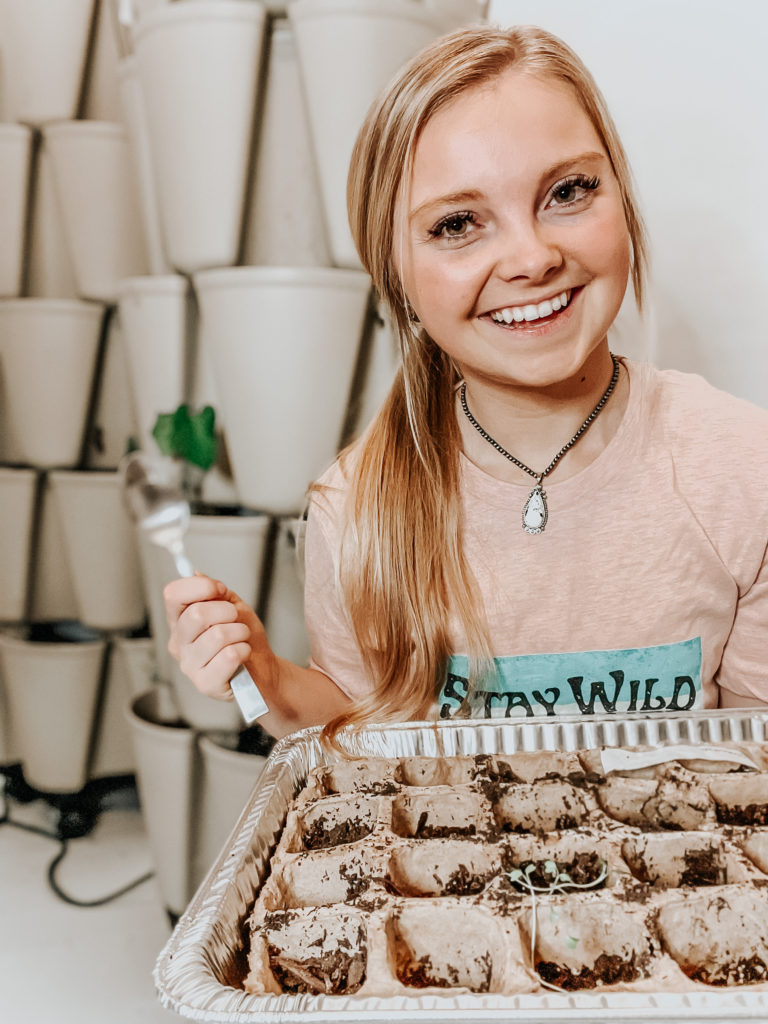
<point x="687" y="84"/>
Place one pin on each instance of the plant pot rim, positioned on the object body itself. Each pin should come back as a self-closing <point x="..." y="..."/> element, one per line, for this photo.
<point x="138" y="709"/>
<point x="169" y="15"/>
<point x="105" y="477"/>
<point x="209" y="742"/>
<point x="43" y="304"/>
<point x="76" y="129"/>
<point x="19" y="474"/>
<point x="309" y="10"/>
<point x="12" y="131"/>
<point x="211" y="519"/>
<point x="288" y="277"/>
<point x="51" y="648"/>
<point x="152" y="284"/>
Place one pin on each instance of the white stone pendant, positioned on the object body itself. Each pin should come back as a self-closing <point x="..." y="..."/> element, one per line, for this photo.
<point x="535" y="512"/>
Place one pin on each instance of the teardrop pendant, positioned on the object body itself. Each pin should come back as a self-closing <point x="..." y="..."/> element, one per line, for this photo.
<point x="535" y="512"/>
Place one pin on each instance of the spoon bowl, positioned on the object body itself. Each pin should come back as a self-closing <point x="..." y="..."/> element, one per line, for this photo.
<point x="155" y="502"/>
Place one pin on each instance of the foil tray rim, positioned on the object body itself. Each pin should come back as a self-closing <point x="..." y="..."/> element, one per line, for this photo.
<point x="183" y="974"/>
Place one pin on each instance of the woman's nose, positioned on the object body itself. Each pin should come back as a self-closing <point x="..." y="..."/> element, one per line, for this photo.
<point x="527" y="250"/>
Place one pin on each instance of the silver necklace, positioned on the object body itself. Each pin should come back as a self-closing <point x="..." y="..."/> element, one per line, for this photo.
<point x="535" y="511"/>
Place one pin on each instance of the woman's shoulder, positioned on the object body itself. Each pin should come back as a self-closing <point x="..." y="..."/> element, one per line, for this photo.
<point x="338" y="476"/>
<point x="698" y="418"/>
<point x="329" y="491"/>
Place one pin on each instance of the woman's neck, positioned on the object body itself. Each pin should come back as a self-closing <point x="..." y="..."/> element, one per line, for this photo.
<point x="534" y="424"/>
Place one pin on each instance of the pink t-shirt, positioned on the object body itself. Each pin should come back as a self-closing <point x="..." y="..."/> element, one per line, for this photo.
<point x="647" y="590"/>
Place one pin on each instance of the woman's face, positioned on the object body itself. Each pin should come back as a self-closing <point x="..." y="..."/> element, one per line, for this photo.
<point x="516" y="252"/>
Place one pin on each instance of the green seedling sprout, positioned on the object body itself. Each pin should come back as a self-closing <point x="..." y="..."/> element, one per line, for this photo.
<point x="561" y="883"/>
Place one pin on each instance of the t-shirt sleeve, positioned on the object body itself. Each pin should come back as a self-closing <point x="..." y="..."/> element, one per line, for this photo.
<point x="744" y="665"/>
<point x="334" y="650"/>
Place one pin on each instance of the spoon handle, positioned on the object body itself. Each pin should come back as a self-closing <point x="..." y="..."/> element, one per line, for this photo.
<point x="252" y="705"/>
<point x="183" y="565"/>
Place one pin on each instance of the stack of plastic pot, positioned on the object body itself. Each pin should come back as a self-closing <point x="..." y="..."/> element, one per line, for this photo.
<point x="172" y="182"/>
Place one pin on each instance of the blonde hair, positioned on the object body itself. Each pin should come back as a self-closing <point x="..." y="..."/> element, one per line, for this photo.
<point x="402" y="568"/>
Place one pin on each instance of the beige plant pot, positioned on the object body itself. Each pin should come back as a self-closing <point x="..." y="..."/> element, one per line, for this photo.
<point x="15" y="151"/>
<point x="219" y="488"/>
<point x="101" y="550"/>
<point x="8" y="751"/>
<point x="381" y="361"/>
<point x="18" y="488"/>
<point x="52" y="691"/>
<point x="53" y="593"/>
<point x="155" y="319"/>
<point x="51" y="274"/>
<point x="283" y="344"/>
<point x="113" y="428"/>
<point x="199" y="64"/>
<point x="139" y="667"/>
<point x="284" y="615"/>
<point x="165" y="774"/>
<point x="135" y="117"/>
<point x="229" y="548"/>
<point x="113" y="752"/>
<point x="227" y="778"/>
<point x="363" y="42"/>
<point x="102" y="92"/>
<point x="44" y="54"/>
<point x="48" y="350"/>
<point x="285" y="225"/>
<point x="98" y="196"/>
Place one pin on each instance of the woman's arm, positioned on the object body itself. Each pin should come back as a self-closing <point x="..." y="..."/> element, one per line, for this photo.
<point x="743" y="672"/>
<point x="213" y="632"/>
<point x="729" y="699"/>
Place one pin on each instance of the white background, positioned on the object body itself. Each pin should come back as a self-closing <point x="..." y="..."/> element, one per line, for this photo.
<point x="687" y="84"/>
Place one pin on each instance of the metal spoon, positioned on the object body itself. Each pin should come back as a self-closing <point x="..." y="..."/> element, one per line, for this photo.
<point x="155" y="503"/>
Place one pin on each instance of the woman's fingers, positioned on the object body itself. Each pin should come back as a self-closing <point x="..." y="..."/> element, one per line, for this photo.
<point x="181" y="593"/>
<point x="211" y="655"/>
<point x="213" y="680"/>
<point x="206" y="635"/>
<point x="198" y="652"/>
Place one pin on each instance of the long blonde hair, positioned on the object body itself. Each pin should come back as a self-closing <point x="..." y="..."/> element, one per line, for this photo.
<point x="402" y="568"/>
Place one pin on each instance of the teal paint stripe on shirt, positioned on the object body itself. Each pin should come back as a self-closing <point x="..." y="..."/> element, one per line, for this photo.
<point x="662" y="678"/>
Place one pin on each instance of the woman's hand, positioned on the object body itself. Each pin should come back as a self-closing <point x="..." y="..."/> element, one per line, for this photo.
<point x="212" y="633"/>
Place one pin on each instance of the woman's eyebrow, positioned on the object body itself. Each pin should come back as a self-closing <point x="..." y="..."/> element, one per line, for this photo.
<point x="473" y="195"/>
<point x="580" y="158"/>
<point x="450" y="199"/>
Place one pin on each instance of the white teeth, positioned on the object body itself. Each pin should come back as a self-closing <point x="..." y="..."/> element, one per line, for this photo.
<point x="531" y="311"/>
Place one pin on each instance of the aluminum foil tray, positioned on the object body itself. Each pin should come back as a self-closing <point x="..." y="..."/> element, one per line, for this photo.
<point x="200" y="970"/>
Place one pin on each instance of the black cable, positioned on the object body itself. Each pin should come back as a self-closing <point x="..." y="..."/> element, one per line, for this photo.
<point x="6" y="819"/>
<point x="101" y="901"/>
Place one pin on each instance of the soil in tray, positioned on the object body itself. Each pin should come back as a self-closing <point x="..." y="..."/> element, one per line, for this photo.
<point x="609" y="969"/>
<point x="329" y="973"/>
<point x="322" y="834"/>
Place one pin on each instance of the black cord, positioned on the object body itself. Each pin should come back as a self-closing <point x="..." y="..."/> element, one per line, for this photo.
<point x="6" y="819"/>
<point x="101" y="901"/>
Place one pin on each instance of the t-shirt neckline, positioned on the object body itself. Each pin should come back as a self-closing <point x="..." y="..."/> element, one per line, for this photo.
<point x="597" y="473"/>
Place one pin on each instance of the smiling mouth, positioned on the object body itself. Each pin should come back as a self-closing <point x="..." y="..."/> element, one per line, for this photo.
<point x="533" y="313"/>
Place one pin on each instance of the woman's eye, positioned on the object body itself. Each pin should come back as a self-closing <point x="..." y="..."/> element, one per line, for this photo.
<point x="572" y="190"/>
<point x="455" y="226"/>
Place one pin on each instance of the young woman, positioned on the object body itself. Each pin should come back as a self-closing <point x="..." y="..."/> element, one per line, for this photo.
<point x="531" y="525"/>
